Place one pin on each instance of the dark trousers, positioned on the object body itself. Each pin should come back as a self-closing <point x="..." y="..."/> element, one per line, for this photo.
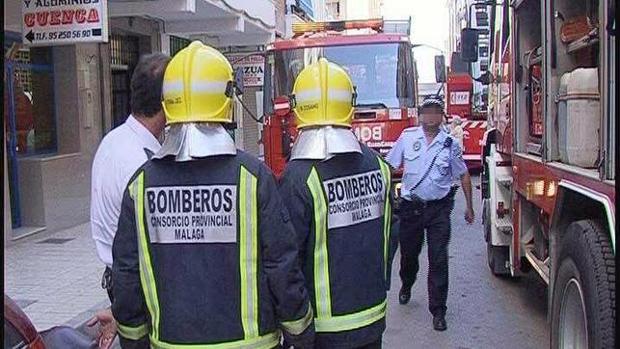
<point x="374" y="345"/>
<point x="435" y="220"/>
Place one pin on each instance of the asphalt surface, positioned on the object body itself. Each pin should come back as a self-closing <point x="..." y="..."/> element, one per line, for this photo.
<point x="484" y="311"/>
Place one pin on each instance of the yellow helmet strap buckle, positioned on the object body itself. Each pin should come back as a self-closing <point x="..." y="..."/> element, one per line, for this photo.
<point x="232" y="89"/>
<point x="292" y="100"/>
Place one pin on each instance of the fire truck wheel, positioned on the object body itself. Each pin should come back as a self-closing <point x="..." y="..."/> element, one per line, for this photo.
<point x="583" y="303"/>
<point x="486" y="220"/>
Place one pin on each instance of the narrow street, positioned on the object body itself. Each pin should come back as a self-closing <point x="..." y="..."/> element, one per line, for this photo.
<point x="484" y="311"/>
<point x="180" y="139"/>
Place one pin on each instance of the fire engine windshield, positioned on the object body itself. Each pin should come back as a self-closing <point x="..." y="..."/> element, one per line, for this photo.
<point x="382" y="73"/>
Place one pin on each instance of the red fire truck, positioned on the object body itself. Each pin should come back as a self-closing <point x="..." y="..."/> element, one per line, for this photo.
<point x="376" y="54"/>
<point x="459" y="88"/>
<point x="548" y="183"/>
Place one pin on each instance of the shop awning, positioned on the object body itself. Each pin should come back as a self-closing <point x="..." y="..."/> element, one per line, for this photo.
<point x="219" y="22"/>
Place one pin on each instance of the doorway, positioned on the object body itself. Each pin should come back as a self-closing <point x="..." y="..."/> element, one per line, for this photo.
<point x="124" y="55"/>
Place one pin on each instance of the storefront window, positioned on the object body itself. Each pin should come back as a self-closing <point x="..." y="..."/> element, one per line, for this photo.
<point x="29" y="100"/>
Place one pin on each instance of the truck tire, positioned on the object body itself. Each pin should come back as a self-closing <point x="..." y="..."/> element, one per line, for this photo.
<point x="486" y="220"/>
<point x="496" y="255"/>
<point x="583" y="303"/>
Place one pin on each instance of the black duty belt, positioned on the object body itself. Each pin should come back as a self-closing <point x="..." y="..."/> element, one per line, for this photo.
<point x="426" y="203"/>
<point x="417" y="203"/>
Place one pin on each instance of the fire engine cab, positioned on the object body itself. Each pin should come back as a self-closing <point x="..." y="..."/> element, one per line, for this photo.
<point x="376" y="54"/>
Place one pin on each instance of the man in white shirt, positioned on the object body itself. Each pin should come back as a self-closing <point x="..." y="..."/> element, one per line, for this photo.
<point x="123" y="150"/>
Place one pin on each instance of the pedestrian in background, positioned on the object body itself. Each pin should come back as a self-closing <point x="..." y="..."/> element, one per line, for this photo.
<point x="431" y="159"/>
<point x="338" y="193"/>
<point x="456" y="130"/>
<point x="205" y="253"/>
<point x="121" y="152"/>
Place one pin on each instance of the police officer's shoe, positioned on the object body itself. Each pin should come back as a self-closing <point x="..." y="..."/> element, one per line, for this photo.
<point x="404" y="295"/>
<point x="439" y="323"/>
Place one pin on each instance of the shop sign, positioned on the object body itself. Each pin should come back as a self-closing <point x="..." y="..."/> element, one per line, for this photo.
<point x="459" y="98"/>
<point x="253" y="68"/>
<point x="61" y="22"/>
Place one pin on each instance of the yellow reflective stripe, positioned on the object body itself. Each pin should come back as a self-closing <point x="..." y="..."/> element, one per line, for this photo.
<point x="387" y="214"/>
<point x="254" y="260"/>
<point x="133" y="333"/>
<point x="351" y="321"/>
<point x="297" y="327"/>
<point x="322" y="290"/>
<point x="147" y="277"/>
<point x="248" y="261"/>
<point x="267" y="341"/>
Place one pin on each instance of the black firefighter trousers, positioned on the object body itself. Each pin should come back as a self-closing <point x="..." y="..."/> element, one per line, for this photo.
<point x="434" y="218"/>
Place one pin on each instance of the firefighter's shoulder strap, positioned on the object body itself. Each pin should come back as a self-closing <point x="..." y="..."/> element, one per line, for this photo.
<point x="446" y="144"/>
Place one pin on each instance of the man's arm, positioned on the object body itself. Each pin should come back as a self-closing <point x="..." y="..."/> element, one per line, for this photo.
<point x="459" y="169"/>
<point x="394" y="231"/>
<point x="129" y="307"/>
<point x="280" y="259"/>
<point x="395" y="156"/>
<point x="297" y="204"/>
<point x="466" y="185"/>
<point x="105" y="206"/>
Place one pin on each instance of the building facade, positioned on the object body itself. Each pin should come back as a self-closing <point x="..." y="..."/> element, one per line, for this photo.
<point x="353" y="9"/>
<point x="61" y="100"/>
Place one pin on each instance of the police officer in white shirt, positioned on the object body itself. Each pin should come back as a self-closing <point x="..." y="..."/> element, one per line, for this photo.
<point x="432" y="159"/>
<point x="122" y="151"/>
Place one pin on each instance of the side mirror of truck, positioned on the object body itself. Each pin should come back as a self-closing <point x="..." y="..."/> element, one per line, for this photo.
<point x="440" y="68"/>
<point x="469" y="45"/>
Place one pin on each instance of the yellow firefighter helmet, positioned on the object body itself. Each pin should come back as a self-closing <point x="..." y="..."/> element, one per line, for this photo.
<point x="198" y="86"/>
<point x="323" y="95"/>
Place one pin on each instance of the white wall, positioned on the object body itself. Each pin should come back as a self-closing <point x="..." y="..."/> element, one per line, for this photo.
<point x="12" y="15"/>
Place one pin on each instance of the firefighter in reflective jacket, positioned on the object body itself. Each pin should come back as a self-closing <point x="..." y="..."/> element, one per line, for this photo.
<point x="338" y="195"/>
<point x="204" y="256"/>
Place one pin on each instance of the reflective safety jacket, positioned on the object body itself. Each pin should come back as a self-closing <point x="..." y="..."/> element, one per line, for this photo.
<point x="341" y="210"/>
<point x="205" y="258"/>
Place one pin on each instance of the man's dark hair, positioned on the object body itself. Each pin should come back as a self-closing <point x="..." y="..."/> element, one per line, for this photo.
<point x="146" y="84"/>
<point x="431" y="103"/>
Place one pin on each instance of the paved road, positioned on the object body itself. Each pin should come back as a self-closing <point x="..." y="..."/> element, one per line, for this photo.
<point x="483" y="311"/>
